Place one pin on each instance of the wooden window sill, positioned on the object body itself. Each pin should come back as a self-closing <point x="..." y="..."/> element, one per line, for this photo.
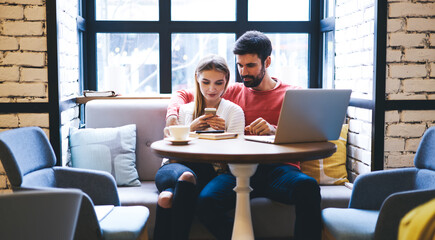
<point x="84" y="100"/>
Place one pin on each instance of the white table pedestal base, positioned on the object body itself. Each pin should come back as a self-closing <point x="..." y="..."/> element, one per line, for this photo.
<point x="242" y="229"/>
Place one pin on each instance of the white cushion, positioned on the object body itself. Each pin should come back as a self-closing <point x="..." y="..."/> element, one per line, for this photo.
<point x="108" y="149"/>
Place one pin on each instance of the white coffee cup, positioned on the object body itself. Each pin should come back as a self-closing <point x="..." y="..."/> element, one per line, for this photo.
<point x="179" y="132"/>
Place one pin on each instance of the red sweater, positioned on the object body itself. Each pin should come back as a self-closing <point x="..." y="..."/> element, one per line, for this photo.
<point x="255" y="104"/>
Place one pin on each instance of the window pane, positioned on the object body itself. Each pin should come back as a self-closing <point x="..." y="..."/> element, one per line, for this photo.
<point x="127" y="10"/>
<point x="290" y="58"/>
<point x="279" y="10"/>
<point x="329" y="6"/>
<point x="203" y="10"/>
<point x="328" y="60"/>
<point x="128" y="63"/>
<point x="188" y="49"/>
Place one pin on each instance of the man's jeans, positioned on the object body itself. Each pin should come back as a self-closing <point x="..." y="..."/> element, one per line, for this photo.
<point x="279" y="182"/>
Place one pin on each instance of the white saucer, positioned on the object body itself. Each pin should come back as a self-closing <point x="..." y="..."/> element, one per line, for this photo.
<point x="179" y="142"/>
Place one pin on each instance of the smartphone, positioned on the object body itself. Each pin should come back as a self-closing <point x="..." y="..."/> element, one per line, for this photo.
<point x="210" y="111"/>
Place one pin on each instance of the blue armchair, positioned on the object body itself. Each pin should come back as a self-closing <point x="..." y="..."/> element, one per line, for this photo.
<point x="44" y="214"/>
<point x="380" y="199"/>
<point x="29" y="162"/>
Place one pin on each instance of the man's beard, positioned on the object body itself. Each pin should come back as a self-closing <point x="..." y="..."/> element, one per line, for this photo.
<point x="255" y="80"/>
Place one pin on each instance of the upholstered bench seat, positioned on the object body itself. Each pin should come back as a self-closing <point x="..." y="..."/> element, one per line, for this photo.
<point x="119" y="225"/>
<point x="360" y="224"/>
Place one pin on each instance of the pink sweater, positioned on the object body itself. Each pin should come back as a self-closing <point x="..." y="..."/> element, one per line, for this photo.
<point x="255" y="104"/>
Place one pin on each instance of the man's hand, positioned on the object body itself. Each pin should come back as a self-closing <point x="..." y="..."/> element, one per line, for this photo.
<point x="260" y="127"/>
<point x="171" y="120"/>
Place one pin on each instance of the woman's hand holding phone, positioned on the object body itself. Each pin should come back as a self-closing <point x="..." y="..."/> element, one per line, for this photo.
<point x="209" y="119"/>
<point x="200" y="123"/>
<point x="216" y="122"/>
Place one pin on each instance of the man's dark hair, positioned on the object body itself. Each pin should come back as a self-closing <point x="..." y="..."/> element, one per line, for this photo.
<point x="253" y="42"/>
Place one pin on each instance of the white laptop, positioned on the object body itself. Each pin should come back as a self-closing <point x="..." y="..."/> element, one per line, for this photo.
<point x="309" y="115"/>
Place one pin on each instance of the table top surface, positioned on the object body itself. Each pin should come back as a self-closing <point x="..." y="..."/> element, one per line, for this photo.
<point x="242" y="151"/>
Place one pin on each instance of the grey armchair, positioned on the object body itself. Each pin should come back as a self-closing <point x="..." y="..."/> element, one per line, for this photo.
<point x="380" y="199"/>
<point x="29" y="162"/>
<point x="39" y="215"/>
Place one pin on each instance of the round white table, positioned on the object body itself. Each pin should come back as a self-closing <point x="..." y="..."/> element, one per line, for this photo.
<point x="243" y="158"/>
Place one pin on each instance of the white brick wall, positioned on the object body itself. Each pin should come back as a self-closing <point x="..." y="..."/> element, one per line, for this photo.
<point x="407" y="70"/>
<point x="11" y="12"/>
<point x="33" y="119"/>
<point x="410" y="76"/>
<point x="22" y="28"/>
<point x="23" y="46"/>
<point x="410" y="57"/>
<point x="404" y="130"/>
<point x="33" y="43"/>
<point x="34" y="75"/>
<point x="34" y="12"/>
<point x="354" y="37"/>
<point x="23" y="65"/>
<point x="30" y="59"/>
<point x="17" y="120"/>
<point x="8" y="43"/>
<point x="421" y="24"/>
<point x="68" y="53"/>
<point x="417" y="116"/>
<point x="411" y="8"/>
<point x="398" y="39"/>
<point x="23" y="90"/>
<point x="9" y="73"/>
<point x="9" y="120"/>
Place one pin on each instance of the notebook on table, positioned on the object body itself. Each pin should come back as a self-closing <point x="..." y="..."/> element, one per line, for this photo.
<point x="309" y="115"/>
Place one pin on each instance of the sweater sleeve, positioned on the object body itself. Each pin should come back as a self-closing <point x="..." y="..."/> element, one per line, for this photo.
<point x="179" y="98"/>
<point x="235" y="119"/>
<point x="185" y="114"/>
<point x="182" y="116"/>
<point x="237" y="124"/>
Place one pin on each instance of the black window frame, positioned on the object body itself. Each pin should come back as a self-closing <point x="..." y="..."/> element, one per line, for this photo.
<point x="327" y="24"/>
<point x="165" y="28"/>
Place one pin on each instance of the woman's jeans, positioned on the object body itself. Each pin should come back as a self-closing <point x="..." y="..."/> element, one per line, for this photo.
<point x="279" y="182"/>
<point x="174" y="223"/>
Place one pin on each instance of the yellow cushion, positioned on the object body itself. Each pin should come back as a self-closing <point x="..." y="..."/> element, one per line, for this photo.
<point x="419" y="223"/>
<point x="331" y="170"/>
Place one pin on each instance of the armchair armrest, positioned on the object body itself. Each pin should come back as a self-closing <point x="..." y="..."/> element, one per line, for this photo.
<point x="395" y="207"/>
<point x="88" y="226"/>
<point x="99" y="185"/>
<point x="371" y="189"/>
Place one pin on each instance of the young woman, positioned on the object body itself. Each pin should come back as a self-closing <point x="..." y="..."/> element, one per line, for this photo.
<point x="180" y="182"/>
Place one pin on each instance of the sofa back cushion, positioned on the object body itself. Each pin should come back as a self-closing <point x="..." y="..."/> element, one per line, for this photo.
<point x="149" y="117"/>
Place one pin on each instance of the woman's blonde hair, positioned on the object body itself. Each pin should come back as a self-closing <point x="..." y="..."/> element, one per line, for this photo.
<point x="211" y="62"/>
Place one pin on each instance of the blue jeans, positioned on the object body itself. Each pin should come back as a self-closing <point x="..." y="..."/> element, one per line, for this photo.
<point x="174" y="223"/>
<point x="279" y="182"/>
